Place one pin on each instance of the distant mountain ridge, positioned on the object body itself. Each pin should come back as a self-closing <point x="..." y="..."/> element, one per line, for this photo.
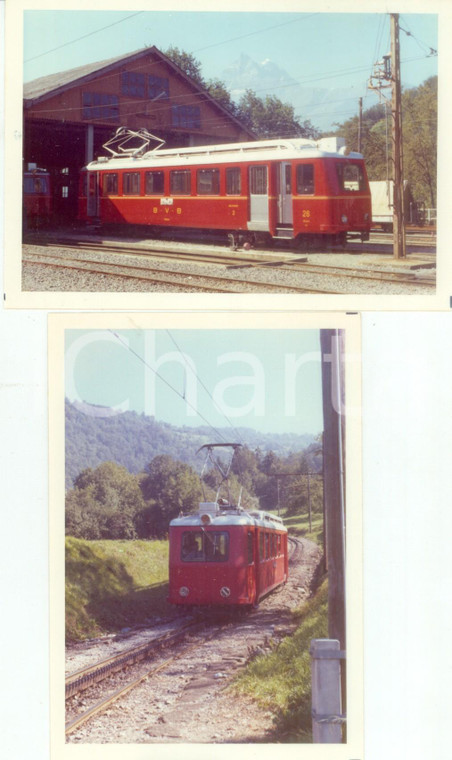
<point x="324" y="107"/>
<point x="96" y="434"/>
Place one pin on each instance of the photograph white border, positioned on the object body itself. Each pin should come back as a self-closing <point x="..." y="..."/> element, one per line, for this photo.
<point x="58" y="325"/>
<point x="15" y="297"/>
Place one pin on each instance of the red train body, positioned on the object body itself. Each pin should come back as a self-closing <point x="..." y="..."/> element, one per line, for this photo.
<point x="37" y="198"/>
<point x="225" y="555"/>
<point x="298" y="189"/>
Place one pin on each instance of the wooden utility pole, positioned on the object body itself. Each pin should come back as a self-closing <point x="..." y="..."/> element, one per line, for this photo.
<point x="332" y="347"/>
<point x="396" y="107"/>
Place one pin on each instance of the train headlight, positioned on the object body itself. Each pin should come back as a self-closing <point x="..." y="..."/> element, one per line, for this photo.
<point x="225" y="592"/>
<point x="344" y="219"/>
<point x="184" y="591"/>
<point x="205" y="519"/>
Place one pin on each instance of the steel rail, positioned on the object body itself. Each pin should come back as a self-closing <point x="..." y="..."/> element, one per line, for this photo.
<point x="102" y="268"/>
<point x="103" y="704"/>
<point x="233" y="261"/>
<point x="83" y="678"/>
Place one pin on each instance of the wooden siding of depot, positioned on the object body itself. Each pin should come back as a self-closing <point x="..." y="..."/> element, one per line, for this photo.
<point x="136" y="112"/>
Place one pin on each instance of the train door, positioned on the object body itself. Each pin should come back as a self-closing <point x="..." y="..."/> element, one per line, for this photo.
<point x="284" y="190"/>
<point x="258" y="183"/>
<point x="93" y="194"/>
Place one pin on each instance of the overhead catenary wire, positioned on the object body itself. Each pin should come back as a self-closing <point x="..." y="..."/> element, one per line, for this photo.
<point x="157" y="374"/>
<point x="195" y="99"/>
<point x="83" y="37"/>
<point x="205" y="388"/>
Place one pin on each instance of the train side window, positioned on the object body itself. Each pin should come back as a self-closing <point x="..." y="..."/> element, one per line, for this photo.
<point x="267" y="546"/>
<point x="208" y="181"/>
<point x="279" y="544"/>
<point x="180" y="182"/>
<point x="110" y="184"/>
<point x="258" y="180"/>
<point x="250" y="548"/>
<point x="305" y="179"/>
<point x="154" y="183"/>
<point x="233" y="180"/>
<point x="131" y="183"/>
<point x="261" y="546"/>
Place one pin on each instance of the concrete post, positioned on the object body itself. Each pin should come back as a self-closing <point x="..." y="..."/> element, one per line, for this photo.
<point x="327" y="715"/>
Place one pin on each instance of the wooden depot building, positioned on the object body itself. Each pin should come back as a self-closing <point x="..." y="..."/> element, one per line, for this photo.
<point x="68" y="116"/>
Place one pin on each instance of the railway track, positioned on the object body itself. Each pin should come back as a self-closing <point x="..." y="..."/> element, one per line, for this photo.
<point x="176" y="279"/>
<point x="215" y="284"/>
<point x="90" y="676"/>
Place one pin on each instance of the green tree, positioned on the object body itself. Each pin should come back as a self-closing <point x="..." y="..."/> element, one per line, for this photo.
<point x="420" y="125"/>
<point x="190" y="65"/>
<point x="270" y="118"/>
<point x="104" y="503"/>
<point x="169" y="487"/>
<point x="219" y="92"/>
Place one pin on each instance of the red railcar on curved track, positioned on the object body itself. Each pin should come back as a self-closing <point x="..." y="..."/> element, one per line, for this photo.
<point x="301" y="190"/>
<point x="224" y="554"/>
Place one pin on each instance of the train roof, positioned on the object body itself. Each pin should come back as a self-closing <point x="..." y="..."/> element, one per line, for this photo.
<point x="280" y="150"/>
<point x="211" y="513"/>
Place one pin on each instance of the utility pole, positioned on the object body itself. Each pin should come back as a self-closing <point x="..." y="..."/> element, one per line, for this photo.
<point x="360" y="124"/>
<point x="387" y="74"/>
<point x="332" y="348"/>
<point x="396" y="107"/>
<point x="309" y="502"/>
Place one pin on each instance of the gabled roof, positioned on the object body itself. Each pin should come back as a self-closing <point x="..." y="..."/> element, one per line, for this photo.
<point x="46" y="87"/>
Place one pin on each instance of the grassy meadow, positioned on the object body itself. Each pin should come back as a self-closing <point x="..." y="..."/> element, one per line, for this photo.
<point x="111" y="585"/>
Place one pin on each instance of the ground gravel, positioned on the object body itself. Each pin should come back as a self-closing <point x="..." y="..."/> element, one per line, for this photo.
<point x="185" y="275"/>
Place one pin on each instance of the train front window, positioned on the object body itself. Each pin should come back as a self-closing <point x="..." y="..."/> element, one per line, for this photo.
<point x="350" y="177"/>
<point x="205" y="546"/>
<point x="36" y="185"/>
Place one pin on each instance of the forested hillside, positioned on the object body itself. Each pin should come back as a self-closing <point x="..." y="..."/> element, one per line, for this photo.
<point x="96" y="434"/>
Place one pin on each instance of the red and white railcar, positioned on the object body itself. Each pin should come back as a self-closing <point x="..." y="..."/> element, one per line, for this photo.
<point x="224" y="555"/>
<point x="37" y="197"/>
<point x="302" y="190"/>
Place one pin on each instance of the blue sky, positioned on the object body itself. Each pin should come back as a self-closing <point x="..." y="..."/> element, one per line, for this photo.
<point x="269" y="380"/>
<point x="317" y="49"/>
